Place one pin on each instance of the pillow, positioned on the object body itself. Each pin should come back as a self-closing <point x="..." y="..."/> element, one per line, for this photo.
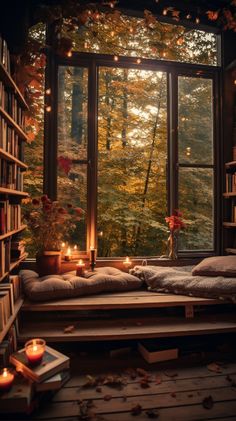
<point x="69" y="285"/>
<point x="216" y="266"/>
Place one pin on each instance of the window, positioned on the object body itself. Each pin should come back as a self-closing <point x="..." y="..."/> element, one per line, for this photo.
<point x="136" y="139"/>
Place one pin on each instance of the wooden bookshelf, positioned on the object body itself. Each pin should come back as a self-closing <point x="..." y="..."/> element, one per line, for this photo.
<point x="12" y="318"/>
<point x="231" y="164"/>
<point x="229" y="194"/>
<point x="12" y="109"/>
<point x="13" y="265"/>
<point x="13" y="232"/>
<point x="9" y="82"/>
<point x="8" y="157"/>
<point x="13" y="124"/>
<point x="12" y="192"/>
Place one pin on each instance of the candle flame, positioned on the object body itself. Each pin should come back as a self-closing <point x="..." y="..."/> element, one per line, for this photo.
<point x="69" y="251"/>
<point x="75" y="247"/>
<point x="63" y="244"/>
<point x="5" y="372"/>
<point x="81" y="262"/>
<point x="35" y="348"/>
<point x="127" y="259"/>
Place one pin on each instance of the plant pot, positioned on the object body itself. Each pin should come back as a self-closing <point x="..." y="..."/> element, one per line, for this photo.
<point x="48" y="263"/>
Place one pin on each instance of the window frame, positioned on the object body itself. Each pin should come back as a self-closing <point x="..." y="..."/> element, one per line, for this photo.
<point x="92" y="62"/>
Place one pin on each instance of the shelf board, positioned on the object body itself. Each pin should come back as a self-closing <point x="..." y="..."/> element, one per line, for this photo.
<point x="230" y="164"/>
<point x="229" y="194"/>
<point x="9" y="82"/>
<point x="13" y="124"/>
<point x="12" y="192"/>
<point x="13" y="232"/>
<point x="230" y="250"/>
<point x="8" y="157"/>
<point x="12" y="318"/>
<point x="229" y="224"/>
<point x="13" y="265"/>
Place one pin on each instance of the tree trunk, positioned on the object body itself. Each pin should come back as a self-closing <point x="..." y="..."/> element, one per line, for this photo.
<point x="77" y="106"/>
<point x="145" y="191"/>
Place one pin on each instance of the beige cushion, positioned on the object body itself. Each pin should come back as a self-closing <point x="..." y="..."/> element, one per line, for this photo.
<point x="69" y="285"/>
<point x="216" y="266"/>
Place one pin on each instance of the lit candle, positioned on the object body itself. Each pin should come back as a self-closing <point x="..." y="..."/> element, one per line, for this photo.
<point x="68" y="254"/>
<point x="80" y="268"/>
<point x="6" y="380"/>
<point x="34" y="350"/>
<point x="127" y="262"/>
<point x="92" y="258"/>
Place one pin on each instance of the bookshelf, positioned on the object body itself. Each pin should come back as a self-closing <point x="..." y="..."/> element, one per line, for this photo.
<point x="12" y="167"/>
<point x="230" y="208"/>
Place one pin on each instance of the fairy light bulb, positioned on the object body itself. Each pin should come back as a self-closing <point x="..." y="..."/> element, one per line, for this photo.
<point x="188" y="151"/>
<point x="48" y="108"/>
<point x="188" y="16"/>
<point x="164" y="54"/>
<point x="234" y="81"/>
<point x="197" y="20"/>
<point x="112" y="33"/>
<point x="112" y="5"/>
<point x="116" y="58"/>
<point x="138" y="61"/>
<point x="89" y="12"/>
<point x="69" y="54"/>
<point x="164" y="12"/>
<point x="85" y="45"/>
<point x="131" y="30"/>
<point x="48" y="91"/>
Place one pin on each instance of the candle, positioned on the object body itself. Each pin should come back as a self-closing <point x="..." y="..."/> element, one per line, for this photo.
<point x="6" y="380"/>
<point x="68" y="254"/>
<point x="92" y="258"/>
<point x="34" y="350"/>
<point x="80" y="268"/>
<point x="127" y="263"/>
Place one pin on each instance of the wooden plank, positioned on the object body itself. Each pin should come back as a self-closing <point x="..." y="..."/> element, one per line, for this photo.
<point x="13" y="232"/>
<point x="113" y="301"/>
<point x="7" y="156"/>
<point x="114" y="329"/>
<point x="11" y="319"/>
<point x="183" y="373"/>
<point x="135" y="389"/>
<point x="163" y="400"/>
<point x="8" y="81"/>
<point x="12" y="192"/>
<point x="11" y="122"/>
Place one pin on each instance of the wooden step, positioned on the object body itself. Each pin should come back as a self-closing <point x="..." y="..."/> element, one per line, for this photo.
<point x="129" y="328"/>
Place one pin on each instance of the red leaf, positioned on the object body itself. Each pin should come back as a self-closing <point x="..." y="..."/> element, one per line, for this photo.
<point x="65" y="164"/>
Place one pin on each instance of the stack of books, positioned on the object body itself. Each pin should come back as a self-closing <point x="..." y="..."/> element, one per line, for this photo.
<point x="156" y="350"/>
<point x="31" y="381"/>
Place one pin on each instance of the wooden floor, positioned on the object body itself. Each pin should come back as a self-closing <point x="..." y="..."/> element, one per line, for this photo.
<point x="113" y="390"/>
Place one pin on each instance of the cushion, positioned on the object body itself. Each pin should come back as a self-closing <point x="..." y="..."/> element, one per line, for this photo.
<point x="216" y="266"/>
<point x="69" y="285"/>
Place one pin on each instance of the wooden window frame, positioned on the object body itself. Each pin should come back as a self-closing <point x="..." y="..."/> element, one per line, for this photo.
<point x="173" y="69"/>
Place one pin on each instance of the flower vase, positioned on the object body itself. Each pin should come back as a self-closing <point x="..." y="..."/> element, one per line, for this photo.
<point x="48" y="263"/>
<point x="172" y="246"/>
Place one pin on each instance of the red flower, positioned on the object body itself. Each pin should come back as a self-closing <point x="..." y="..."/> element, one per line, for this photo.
<point x="79" y="211"/>
<point x="44" y="198"/>
<point x="35" y="202"/>
<point x="175" y="221"/>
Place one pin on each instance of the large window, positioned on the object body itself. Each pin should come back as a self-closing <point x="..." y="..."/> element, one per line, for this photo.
<point x="136" y="137"/>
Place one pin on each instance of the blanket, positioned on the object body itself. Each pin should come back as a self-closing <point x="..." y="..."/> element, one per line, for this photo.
<point x="179" y="280"/>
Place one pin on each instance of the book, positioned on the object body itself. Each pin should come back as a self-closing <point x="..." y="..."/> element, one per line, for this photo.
<point x="52" y="363"/>
<point x="158" y="350"/>
<point x="53" y="383"/>
<point x="18" y="398"/>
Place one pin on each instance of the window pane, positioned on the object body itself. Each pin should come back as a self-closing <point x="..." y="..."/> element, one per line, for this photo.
<point x="196" y="203"/>
<point x="195" y="120"/>
<point x="72" y="143"/>
<point x="135" y="37"/>
<point x="132" y="146"/>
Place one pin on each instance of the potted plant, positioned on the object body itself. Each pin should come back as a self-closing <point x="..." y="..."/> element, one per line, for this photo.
<point x="49" y="224"/>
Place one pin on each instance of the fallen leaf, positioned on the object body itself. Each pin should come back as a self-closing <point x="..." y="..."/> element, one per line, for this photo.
<point x="141" y="372"/>
<point x="144" y="383"/>
<point x="69" y="329"/>
<point x="214" y="367"/>
<point x="91" y="381"/>
<point x="107" y="397"/>
<point x="158" y="380"/>
<point x="208" y="402"/>
<point x="136" y="410"/>
<point x="152" y="413"/>
<point x="170" y="374"/>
